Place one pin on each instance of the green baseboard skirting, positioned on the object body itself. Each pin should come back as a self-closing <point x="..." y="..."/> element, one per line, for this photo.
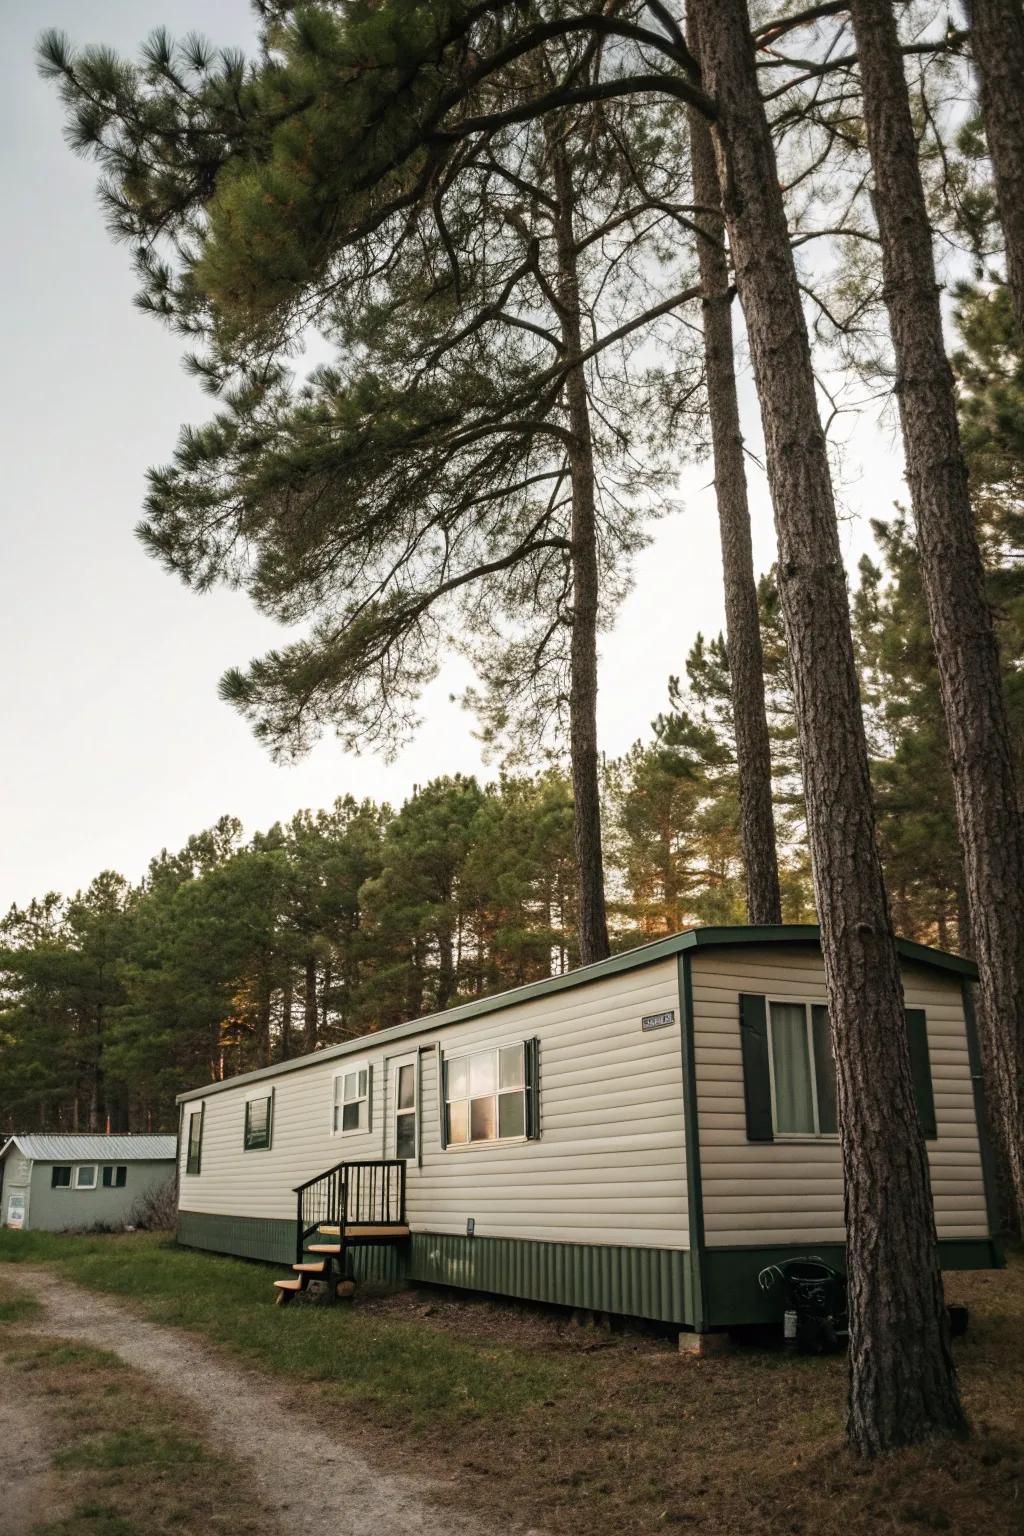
<point x="655" y="1283"/>
<point x="636" y="1282"/>
<point x="733" y="1295"/>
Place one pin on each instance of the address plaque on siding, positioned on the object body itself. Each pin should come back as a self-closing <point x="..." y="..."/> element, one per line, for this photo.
<point x="658" y="1020"/>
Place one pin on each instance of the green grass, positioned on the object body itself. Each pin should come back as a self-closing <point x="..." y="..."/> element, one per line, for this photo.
<point x="378" y="1363"/>
<point x="564" y="1429"/>
<point x="128" y="1458"/>
<point x="132" y="1448"/>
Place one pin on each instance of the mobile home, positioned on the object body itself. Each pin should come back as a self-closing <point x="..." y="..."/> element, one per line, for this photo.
<point x="50" y="1183"/>
<point x="640" y="1136"/>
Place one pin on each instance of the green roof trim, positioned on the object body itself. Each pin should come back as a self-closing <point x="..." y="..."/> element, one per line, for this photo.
<point x="625" y="960"/>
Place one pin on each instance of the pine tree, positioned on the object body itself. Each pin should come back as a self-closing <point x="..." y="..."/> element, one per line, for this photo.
<point x="903" y="1385"/>
<point x="997" y="43"/>
<point x="984" y="771"/>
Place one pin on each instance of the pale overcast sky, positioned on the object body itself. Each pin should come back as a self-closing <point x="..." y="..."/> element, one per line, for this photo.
<point x="116" y="742"/>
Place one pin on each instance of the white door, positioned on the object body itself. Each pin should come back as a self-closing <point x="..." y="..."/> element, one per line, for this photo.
<point x="16" y="1209"/>
<point x="405" y="1109"/>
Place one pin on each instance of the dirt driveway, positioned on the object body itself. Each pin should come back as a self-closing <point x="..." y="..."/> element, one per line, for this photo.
<point x="306" y="1478"/>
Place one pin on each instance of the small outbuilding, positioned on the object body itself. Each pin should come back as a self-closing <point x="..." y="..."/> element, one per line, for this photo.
<point x="640" y="1136"/>
<point x="51" y="1183"/>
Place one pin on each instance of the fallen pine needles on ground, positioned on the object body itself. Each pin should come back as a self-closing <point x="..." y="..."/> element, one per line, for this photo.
<point x="517" y="1412"/>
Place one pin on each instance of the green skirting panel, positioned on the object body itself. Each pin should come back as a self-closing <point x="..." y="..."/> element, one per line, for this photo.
<point x="636" y="1282"/>
<point x="263" y="1237"/>
<point x="733" y="1295"/>
<point x="654" y="1283"/>
<point x="247" y="1237"/>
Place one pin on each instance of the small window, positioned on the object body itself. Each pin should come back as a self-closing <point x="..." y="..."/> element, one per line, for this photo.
<point x="60" y="1177"/>
<point x="351" y="1108"/>
<point x="195" y="1141"/>
<point x="485" y="1096"/>
<point x="259" y="1114"/>
<point x="803" y="1070"/>
<point x="406" y="1108"/>
<point x="115" y="1177"/>
<point x="85" y="1176"/>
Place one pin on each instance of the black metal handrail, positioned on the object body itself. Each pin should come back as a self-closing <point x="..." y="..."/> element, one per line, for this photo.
<point x="375" y="1192"/>
<point x="320" y="1202"/>
<point x="370" y="1193"/>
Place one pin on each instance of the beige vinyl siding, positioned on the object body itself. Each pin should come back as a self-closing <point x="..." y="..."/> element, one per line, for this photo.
<point x="608" y="1167"/>
<point x="792" y="1192"/>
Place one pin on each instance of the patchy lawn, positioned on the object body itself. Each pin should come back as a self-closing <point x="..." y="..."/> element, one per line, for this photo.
<point x="551" y="1425"/>
<point x="124" y="1459"/>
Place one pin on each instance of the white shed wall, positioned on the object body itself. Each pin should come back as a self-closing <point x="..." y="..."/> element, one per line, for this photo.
<point x="609" y="1166"/>
<point x="779" y="1192"/>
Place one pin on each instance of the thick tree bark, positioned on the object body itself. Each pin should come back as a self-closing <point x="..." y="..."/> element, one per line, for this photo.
<point x="962" y="626"/>
<point x="583" y="760"/>
<point x="742" y="625"/>
<point x="997" y="43"/>
<point x="903" y="1383"/>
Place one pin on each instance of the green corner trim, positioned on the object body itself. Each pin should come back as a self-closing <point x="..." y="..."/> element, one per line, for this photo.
<point x="691" y="1131"/>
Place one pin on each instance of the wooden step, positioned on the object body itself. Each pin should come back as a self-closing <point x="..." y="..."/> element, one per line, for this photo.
<point x="357" y="1233"/>
<point x="310" y="1269"/>
<point x="288" y="1285"/>
<point x="323" y="1247"/>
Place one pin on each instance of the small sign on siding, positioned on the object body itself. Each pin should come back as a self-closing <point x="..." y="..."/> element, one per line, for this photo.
<point x="658" y="1020"/>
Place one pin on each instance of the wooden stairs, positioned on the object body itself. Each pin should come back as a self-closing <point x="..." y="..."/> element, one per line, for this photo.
<point x="353" y="1205"/>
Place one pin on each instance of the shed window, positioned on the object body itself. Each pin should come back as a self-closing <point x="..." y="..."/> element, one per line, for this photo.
<point x="60" y="1177"/>
<point x="85" y="1176"/>
<point x="486" y="1095"/>
<point x="803" y="1071"/>
<point x="195" y="1141"/>
<point x="115" y="1177"/>
<point x="259" y="1117"/>
<point x="351" y="1107"/>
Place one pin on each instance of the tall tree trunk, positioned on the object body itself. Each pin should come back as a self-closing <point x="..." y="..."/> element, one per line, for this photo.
<point x="287" y="999"/>
<point x="903" y="1382"/>
<point x="309" y="1012"/>
<point x="997" y="43"/>
<point x="593" y="921"/>
<point x="264" y="997"/>
<point x="742" y="627"/>
<point x="963" y="630"/>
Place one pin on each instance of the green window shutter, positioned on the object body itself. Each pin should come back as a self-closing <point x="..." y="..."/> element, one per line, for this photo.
<point x="531" y="1063"/>
<point x="824" y="1071"/>
<point x="369" y="1099"/>
<point x="757" y="1090"/>
<point x="442" y="1108"/>
<point x="921" y="1069"/>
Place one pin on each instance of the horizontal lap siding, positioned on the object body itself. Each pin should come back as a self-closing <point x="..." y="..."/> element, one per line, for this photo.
<point x="778" y="1192"/>
<point x="608" y="1168"/>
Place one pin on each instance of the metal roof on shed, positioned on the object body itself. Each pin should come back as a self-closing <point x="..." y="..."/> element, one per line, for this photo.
<point x="710" y="937"/>
<point x="96" y="1149"/>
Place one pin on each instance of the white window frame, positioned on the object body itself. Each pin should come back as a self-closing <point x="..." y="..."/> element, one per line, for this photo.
<point x="80" y="1169"/>
<point x="113" y="1180"/>
<point x="412" y="1060"/>
<point x="784" y="1136"/>
<point x="336" y="1103"/>
<point x="464" y="1055"/>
